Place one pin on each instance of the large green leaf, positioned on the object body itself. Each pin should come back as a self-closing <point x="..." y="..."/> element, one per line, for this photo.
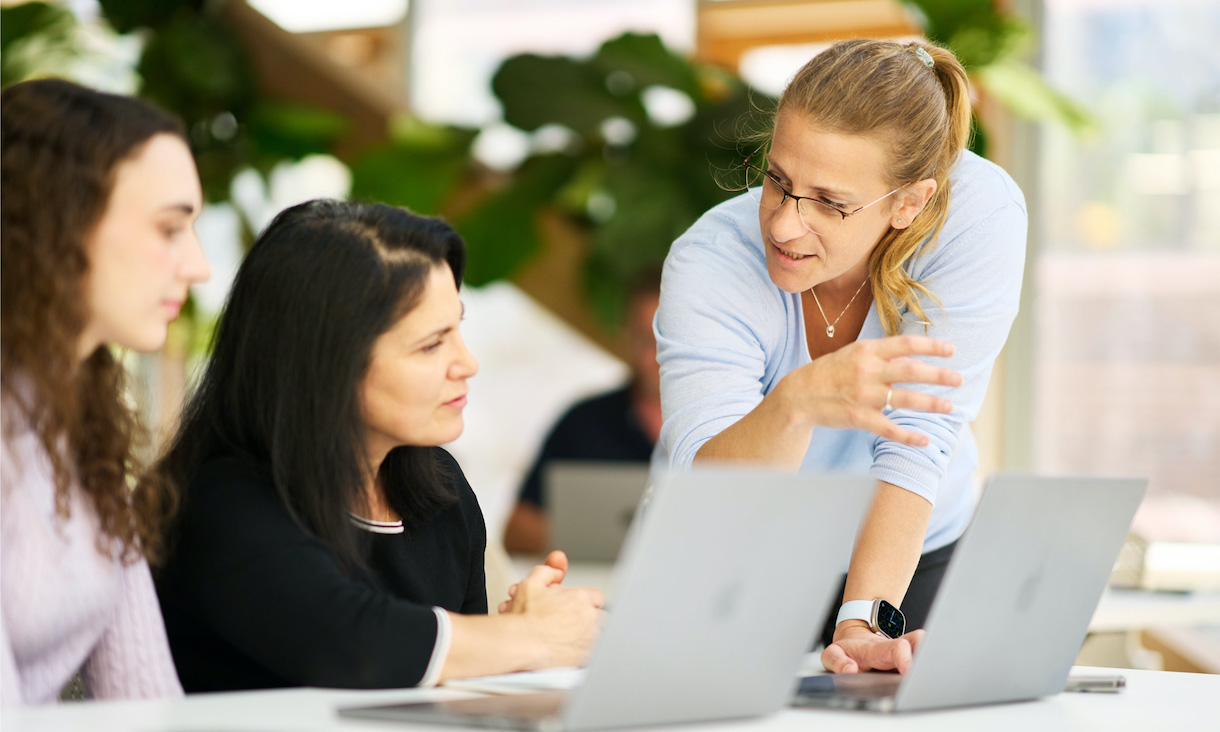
<point x="280" y="130"/>
<point x="1021" y="89"/>
<point x="977" y="31"/>
<point x="651" y="211"/>
<point x="128" y="15"/>
<point x="653" y="206"/>
<point x="646" y="62"/>
<point x="501" y="232"/>
<point x="418" y="169"/>
<point x="543" y="90"/>
<point x="719" y="137"/>
<point x="195" y="67"/>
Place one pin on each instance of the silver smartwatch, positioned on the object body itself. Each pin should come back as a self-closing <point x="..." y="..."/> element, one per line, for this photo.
<point x="881" y="616"/>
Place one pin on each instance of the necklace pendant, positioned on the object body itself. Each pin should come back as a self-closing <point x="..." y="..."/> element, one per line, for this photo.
<point x="830" y="331"/>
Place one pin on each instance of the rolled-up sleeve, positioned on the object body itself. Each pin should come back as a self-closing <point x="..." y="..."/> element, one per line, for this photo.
<point x="712" y="338"/>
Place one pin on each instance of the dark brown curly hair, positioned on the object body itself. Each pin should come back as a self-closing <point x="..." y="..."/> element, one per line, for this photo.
<point x="62" y="143"/>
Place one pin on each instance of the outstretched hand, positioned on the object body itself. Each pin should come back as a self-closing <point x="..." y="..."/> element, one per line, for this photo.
<point x="853" y="387"/>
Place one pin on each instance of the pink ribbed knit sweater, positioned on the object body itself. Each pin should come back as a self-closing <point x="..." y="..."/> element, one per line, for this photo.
<point x="65" y="605"/>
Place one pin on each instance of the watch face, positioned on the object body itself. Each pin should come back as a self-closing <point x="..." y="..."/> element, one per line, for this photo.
<point x="890" y="620"/>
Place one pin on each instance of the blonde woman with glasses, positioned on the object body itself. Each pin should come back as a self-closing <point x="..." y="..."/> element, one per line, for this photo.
<point x="844" y="314"/>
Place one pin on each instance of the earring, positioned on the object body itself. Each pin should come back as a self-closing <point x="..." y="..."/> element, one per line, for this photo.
<point x="900" y="221"/>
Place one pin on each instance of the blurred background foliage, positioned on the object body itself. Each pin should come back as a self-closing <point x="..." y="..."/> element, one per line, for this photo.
<point x="630" y="177"/>
<point x="606" y="155"/>
<point x="994" y="46"/>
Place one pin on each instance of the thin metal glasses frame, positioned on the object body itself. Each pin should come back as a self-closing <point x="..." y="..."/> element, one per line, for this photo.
<point x="786" y="194"/>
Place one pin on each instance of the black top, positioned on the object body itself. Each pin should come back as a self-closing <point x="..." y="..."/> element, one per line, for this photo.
<point x="601" y="428"/>
<point x="252" y="601"/>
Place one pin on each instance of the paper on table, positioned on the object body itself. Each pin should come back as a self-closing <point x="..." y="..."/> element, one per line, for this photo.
<point x="525" y="682"/>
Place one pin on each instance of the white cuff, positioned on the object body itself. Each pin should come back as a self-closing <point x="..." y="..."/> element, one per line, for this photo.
<point x="440" y="651"/>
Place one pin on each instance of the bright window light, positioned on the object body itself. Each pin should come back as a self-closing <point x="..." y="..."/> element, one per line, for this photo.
<point x="299" y="17"/>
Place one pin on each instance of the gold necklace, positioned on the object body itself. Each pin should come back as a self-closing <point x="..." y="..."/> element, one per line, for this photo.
<point x="830" y="327"/>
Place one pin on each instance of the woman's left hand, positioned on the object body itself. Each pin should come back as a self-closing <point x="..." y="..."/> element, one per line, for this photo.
<point x="556" y="560"/>
<point x="857" y="648"/>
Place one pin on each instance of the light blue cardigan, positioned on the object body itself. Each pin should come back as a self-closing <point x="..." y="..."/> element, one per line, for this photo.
<point x="726" y="335"/>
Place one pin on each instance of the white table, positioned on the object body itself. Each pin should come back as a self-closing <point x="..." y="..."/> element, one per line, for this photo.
<point x="1137" y="609"/>
<point x="1153" y="700"/>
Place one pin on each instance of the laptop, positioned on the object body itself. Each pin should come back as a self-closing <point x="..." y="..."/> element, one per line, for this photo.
<point x="723" y="583"/>
<point x="1015" y="603"/>
<point x="591" y="505"/>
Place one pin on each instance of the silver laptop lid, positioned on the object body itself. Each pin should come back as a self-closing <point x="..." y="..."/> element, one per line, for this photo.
<point x="1016" y="600"/>
<point x="722" y="585"/>
<point x="591" y="505"/>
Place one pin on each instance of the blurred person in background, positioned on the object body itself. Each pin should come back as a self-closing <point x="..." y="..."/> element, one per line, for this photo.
<point x="618" y="426"/>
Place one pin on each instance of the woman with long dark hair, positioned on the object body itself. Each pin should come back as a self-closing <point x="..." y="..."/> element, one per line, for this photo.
<point x="99" y="200"/>
<point x="325" y="539"/>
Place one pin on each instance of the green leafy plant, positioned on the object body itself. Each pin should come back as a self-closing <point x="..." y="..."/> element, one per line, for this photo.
<point x="992" y="45"/>
<point x="629" y="181"/>
<point x="630" y="178"/>
<point x="190" y="64"/>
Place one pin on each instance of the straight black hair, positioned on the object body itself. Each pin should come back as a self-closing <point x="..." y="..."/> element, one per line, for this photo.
<point x="323" y="281"/>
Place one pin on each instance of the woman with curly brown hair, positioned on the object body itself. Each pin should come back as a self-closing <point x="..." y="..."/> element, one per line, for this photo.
<point x="99" y="200"/>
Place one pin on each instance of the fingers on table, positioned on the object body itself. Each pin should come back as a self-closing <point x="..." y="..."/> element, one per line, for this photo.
<point x="898" y="654"/>
<point x="836" y="660"/>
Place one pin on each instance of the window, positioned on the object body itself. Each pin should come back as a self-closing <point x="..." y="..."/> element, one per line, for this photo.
<point x="1127" y="281"/>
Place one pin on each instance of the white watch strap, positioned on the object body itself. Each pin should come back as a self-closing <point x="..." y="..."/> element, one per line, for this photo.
<point x="856" y="610"/>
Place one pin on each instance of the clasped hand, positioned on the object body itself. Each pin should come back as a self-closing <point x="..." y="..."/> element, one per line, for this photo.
<point x="568" y="618"/>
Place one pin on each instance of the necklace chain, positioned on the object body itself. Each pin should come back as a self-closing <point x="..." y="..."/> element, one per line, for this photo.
<point x="830" y="327"/>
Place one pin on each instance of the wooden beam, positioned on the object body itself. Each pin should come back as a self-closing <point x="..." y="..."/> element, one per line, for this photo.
<point x="726" y="30"/>
<point x="296" y="68"/>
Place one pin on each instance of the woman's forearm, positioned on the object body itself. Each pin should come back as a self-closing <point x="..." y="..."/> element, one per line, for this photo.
<point x="888" y="546"/>
<point x="546" y="625"/>
<point x="483" y="645"/>
<point x="773" y="433"/>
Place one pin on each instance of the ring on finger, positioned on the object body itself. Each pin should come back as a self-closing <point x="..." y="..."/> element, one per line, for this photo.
<point x="889" y="394"/>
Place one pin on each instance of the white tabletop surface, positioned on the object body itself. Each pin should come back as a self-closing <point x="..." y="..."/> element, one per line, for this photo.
<point x="1153" y="700"/>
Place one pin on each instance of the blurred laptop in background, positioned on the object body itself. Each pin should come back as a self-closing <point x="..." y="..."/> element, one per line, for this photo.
<point x="592" y="506"/>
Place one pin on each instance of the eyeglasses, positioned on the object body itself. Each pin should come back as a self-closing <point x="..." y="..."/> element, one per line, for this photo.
<point x="823" y="218"/>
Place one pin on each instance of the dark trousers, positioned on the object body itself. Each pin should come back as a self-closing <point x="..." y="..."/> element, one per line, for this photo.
<point x="918" y="600"/>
